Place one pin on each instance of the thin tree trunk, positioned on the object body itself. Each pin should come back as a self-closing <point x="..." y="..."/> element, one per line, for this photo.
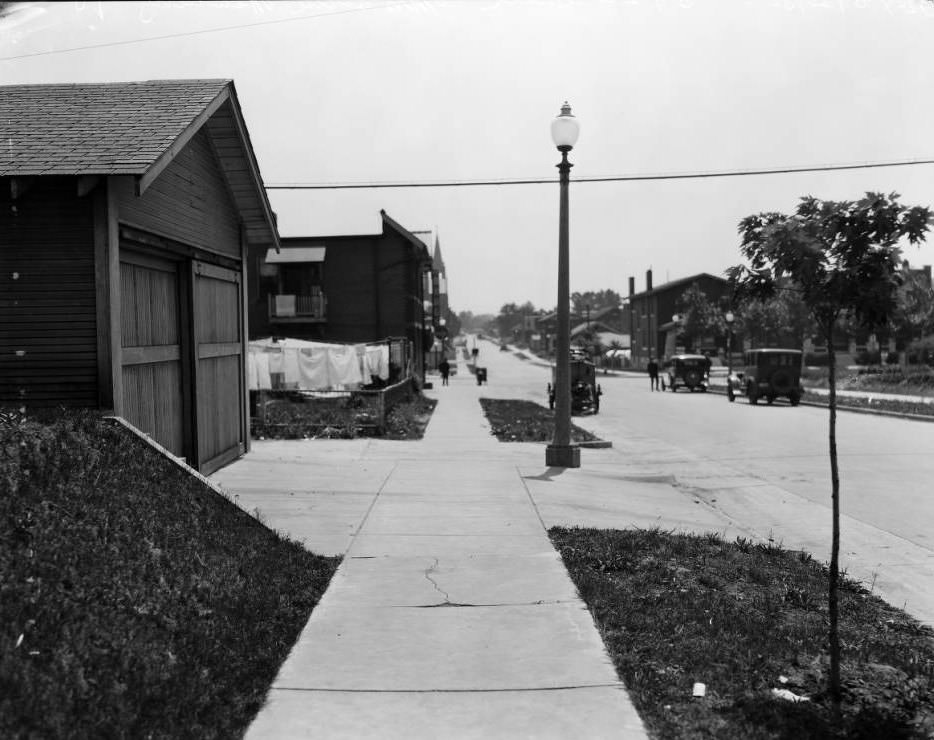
<point x="835" y="539"/>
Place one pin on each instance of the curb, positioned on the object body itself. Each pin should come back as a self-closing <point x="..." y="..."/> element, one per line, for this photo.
<point x="596" y="444"/>
<point x="852" y="409"/>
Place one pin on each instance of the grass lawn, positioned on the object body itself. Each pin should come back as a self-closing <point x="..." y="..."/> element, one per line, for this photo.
<point x="875" y="403"/>
<point x="526" y="421"/>
<point x="744" y="619"/>
<point x="135" y="601"/>
<point x="918" y="381"/>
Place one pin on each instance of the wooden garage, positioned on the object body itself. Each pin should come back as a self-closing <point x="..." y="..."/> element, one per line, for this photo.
<point x="126" y="212"/>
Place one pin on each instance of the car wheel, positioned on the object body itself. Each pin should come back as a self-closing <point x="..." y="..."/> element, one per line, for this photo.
<point x="770" y="400"/>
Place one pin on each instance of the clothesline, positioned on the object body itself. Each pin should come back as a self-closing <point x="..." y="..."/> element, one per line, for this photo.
<point x="315" y="366"/>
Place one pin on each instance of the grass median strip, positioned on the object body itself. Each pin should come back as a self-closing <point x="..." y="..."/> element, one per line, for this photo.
<point x="525" y="421"/>
<point x="134" y="600"/>
<point x="749" y="621"/>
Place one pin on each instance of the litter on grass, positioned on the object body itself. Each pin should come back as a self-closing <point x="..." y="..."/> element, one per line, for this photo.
<point x="788" y="695"/>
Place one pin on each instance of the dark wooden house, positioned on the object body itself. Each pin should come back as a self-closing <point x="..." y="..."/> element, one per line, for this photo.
<point x="126" y="212"/>
<point x="652" y="312"/>
<point x="361" y="288"/>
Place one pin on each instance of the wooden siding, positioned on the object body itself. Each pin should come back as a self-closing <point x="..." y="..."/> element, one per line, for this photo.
<point x="151" y="353"/>
<point x="369" y="282"/>
<point x="48" y="334"/>
<point x="189" y="202"/>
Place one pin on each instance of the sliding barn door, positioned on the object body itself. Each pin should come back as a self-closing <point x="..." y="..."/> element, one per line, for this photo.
<point x="151" y="356"/>
<point x="218" y="336"/>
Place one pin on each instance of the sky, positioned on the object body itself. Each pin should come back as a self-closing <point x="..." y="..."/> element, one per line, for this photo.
<point x="351" y="92"/>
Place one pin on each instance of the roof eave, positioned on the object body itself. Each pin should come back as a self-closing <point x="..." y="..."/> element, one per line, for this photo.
<point x="405" y="233"/>
<point x="254" y="167"/>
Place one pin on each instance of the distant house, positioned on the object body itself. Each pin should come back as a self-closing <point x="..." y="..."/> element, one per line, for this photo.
<point x="360" y="288"/>
<point x="126" y="210"/>
<point x="602" y="320"/>
<point x="653" y="313"/>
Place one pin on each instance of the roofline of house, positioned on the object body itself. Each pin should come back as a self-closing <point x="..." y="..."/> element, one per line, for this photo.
<point x="227" y="94"/>
<point x="144" y="180"/>
<point x="288" y="241"/>
<point x="254" y="164"/>
<point x="405" y="233"/>
<point x="675" y="283"/>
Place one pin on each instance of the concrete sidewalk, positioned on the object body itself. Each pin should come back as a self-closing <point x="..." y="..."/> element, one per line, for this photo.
<point x="451" y="615"/>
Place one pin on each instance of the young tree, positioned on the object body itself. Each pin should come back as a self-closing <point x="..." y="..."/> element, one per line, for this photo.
<point x="843" y="257"/>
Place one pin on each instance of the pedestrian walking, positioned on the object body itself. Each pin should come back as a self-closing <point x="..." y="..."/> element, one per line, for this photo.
<point x="444" y="367"/>
<point x="653" y="373"/>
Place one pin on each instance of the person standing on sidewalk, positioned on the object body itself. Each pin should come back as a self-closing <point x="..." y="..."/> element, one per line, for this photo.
<point x="444" y="367"/>
<point x="652" y="367"/>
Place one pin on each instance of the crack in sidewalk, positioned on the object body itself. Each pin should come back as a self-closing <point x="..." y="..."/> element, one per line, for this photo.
<point x="447" y="598"/>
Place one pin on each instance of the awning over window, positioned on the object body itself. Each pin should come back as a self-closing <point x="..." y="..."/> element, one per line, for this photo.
<point x="295" y="254"/>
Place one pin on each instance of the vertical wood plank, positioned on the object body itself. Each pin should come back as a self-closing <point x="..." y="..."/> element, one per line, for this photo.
<point x="113" y="281"/>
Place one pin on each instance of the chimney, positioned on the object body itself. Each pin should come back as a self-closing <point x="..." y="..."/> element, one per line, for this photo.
<point x="648" y="280"/>
<point x="632" y="286"/>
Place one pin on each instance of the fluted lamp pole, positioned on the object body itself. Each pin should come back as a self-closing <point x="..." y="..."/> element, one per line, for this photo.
<point x="561" y="453"/>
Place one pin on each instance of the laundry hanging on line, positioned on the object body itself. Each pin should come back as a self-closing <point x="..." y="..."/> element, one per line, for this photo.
<point x="316" y="366"/>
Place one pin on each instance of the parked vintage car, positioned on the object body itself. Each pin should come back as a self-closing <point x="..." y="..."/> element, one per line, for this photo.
<point x="687" y="371"/>
<point x="769" y="374"/>
<point x="585" y="393"/>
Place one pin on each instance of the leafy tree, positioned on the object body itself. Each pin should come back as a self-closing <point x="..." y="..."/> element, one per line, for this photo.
<point x="512" y="317"/>
<point x="699" y="315"/>
<point x="843" y="258"/>
<point x="915" y="315"/>
<point x="595" y="299"/>
<point x="475" y="322"/>
<point x="782" y="320"/>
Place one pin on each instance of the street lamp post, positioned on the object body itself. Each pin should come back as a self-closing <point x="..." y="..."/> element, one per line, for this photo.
<point x="729" y="355"/>
<point x="560" y="453"/>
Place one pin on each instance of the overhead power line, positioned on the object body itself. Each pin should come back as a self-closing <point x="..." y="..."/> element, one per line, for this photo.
<point x="617" y="178"/>
<point x="219" y="29"/>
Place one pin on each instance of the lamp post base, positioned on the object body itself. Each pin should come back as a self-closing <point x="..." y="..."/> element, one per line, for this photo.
<point x="563" y="457"/>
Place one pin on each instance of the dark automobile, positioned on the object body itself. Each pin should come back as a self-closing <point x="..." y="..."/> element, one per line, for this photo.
<point x="585" y="393"/>
<point x="768" y="374"/>
<point x="687" y="371"/>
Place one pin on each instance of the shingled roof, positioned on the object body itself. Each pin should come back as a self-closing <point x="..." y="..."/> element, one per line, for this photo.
<point x="130" y="128"/>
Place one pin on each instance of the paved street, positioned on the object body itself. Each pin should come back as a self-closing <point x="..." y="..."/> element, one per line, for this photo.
<point x="723" y="453"/>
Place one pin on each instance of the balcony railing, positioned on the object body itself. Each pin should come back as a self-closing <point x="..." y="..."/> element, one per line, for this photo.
<point x="298" y="307"/>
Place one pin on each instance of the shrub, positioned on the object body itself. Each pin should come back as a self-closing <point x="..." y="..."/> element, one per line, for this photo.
<point x="868" y="357"/>
<point x="817" y="359"/>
